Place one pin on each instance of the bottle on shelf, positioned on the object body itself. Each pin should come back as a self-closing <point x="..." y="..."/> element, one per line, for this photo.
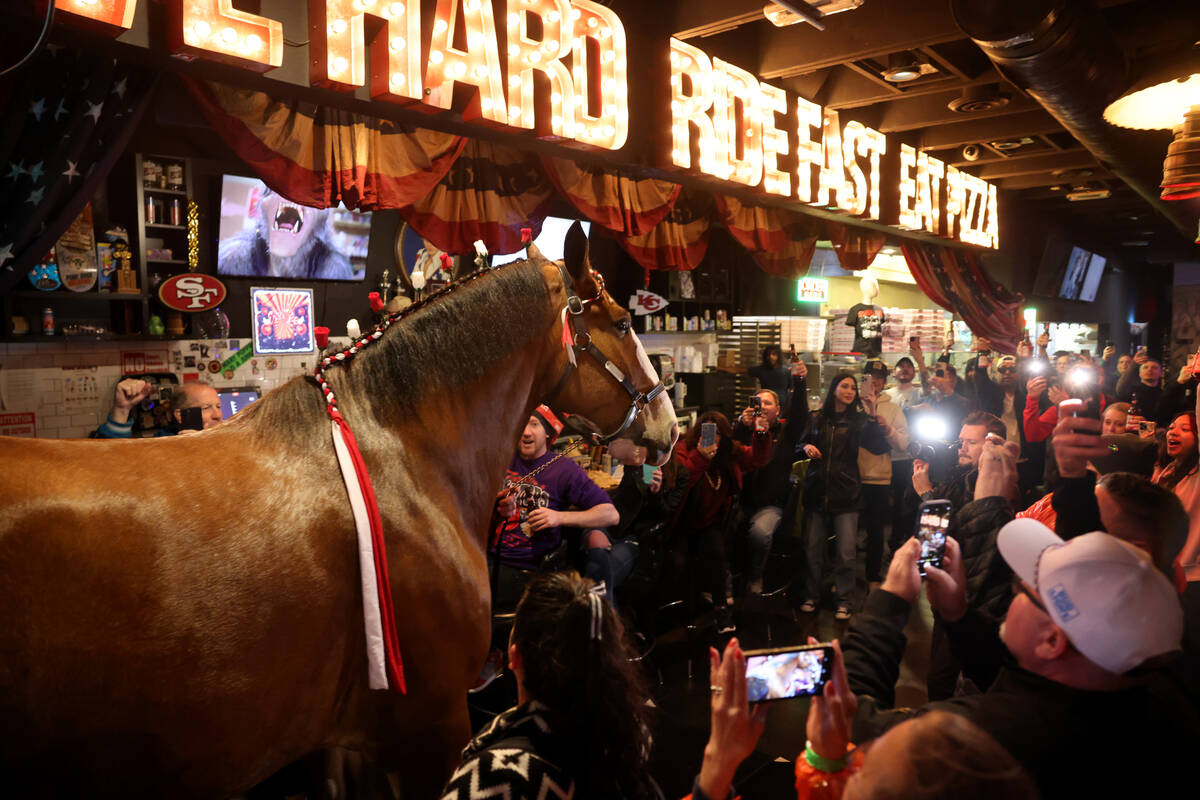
<point x="47" y="321"/>
<point x="792" y="352"/>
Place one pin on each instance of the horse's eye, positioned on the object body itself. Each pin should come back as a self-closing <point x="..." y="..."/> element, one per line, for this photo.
<point x="622" y="326"/>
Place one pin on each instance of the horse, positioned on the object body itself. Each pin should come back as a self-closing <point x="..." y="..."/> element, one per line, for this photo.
<point x="181" y="616"/>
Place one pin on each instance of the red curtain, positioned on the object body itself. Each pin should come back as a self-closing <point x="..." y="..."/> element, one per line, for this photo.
<point x="490" y="192"/>
<point x="954" y="279"/>
<point x="856" y="248"/>
<point x="680" y="241"/>
<point x="630" y="206"/>
<point x="780" y="241"/>
<point x="320" y="156"/>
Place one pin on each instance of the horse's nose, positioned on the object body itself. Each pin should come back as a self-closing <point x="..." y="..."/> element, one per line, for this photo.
<point x="674" y="431"/>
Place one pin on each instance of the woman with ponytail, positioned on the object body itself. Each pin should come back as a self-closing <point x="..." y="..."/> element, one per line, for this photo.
<point x="581" y="713"/>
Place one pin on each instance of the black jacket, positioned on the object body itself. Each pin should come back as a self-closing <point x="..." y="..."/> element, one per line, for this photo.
<point x="989" y="579"/>
<point x="832" y="483"/>
<point x="769" y="485"/>
<point x="1074" y="743"/>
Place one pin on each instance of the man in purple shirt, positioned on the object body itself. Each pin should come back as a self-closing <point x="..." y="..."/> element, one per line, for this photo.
<point x="532" y="513"/>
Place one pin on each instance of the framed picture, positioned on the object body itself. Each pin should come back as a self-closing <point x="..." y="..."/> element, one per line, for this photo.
<point x="283" y="320"/>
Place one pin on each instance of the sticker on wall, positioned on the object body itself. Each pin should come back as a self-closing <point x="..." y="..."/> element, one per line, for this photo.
<point x="238" y="358"/>
<point x="22" y="424"/>
<point x="283" y="320"/>
<point x="80" y="387"/>
<point x="272" y="364"/>
<point x="227" y="374"/>
<point x="214" y="366"/>
<point x="189" y="362"/>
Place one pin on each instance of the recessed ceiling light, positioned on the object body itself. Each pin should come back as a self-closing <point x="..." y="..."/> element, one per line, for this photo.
<point x="904" y="67"/>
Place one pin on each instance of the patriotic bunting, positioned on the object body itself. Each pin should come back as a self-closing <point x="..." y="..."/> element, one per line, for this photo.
<point x="629" y="206"/>
<point x="780" y="241"/>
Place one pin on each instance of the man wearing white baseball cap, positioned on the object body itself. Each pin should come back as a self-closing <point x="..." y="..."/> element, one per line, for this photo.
<point x="1078" y="700"/>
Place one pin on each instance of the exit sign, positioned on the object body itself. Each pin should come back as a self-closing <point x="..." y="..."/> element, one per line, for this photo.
<point x="812" y="290"/>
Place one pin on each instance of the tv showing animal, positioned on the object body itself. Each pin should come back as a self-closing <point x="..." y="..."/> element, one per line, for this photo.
<point x="263" y="234"/>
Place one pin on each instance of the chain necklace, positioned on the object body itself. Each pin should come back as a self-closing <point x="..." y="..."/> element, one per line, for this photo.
<point x="529" y="476"/>
<point x="715" y="486"/>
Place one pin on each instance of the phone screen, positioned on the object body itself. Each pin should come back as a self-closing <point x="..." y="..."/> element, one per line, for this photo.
<point x="708" y="434"/>
<point x="192" y="419"/>
<point x="784" y="673"/>
<point x="933" y="520"/>
<point x="647" y="473"/>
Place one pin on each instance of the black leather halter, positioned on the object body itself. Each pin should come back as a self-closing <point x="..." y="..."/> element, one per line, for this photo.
<point x="581" y="342"/>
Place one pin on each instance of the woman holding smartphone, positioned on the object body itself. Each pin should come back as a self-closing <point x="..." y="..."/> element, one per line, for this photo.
<point x="833" y="487"/>
<point x="715" y="464"/>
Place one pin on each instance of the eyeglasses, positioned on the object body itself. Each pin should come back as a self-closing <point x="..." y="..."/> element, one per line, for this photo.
<point x="1019" y="586"/>
<point x="1006" y="370"/>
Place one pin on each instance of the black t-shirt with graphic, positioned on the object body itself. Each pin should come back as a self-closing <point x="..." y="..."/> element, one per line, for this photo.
<point x="867" y="322"/>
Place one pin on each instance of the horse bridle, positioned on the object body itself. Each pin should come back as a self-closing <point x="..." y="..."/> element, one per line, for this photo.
<point x="580" y="341"/>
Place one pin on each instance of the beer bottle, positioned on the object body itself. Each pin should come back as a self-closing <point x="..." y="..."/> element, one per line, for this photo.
<point x="795" y="356"/>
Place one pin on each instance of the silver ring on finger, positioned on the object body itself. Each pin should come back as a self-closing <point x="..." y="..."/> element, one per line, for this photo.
<point x="716" y="689"/>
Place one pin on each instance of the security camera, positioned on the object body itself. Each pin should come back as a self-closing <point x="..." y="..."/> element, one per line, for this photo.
<point x="970" y="152"/>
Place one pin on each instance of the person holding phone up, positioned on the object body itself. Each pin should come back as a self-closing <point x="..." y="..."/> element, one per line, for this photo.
<point x="833" y="486"/>
<point x="194" y="406"/>
<point x="716" y="464"/>
<point x="766" y="490"/>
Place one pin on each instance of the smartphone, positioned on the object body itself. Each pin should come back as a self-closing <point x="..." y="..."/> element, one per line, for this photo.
<point x="756" y="404"/>
<point x="914" y="339"/>
<point x="785" y="672"/>
<point x="648" y="473"/>
<point x="1035" y="366"/>
<point x="1084" y="386"/>
<point x="1196" y="365"/>
<point x="708" y="434"/>
<point x="1147" y="427"/>
<point x="933" y="521"/>
<point x="192" y="419"/>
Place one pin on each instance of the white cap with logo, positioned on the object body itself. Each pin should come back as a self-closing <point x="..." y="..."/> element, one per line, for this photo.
<point x="1115" y="607"/>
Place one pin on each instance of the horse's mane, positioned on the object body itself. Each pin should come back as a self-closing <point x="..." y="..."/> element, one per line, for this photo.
<point x="448" y="342"/>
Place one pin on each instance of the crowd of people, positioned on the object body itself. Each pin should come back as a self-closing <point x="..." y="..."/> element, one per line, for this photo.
<point x="1066" y="604"/>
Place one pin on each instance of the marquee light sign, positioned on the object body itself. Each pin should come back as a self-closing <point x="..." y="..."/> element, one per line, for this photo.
<point x="733" y="126"/>
<point x="734" y="120"/>
<point x="580" y="47"/>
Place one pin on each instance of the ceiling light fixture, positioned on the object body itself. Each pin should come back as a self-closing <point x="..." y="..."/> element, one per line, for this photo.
<point x="902" y="68"/>
<point x="1168" y="99"/>
<point x="789" y="12"/>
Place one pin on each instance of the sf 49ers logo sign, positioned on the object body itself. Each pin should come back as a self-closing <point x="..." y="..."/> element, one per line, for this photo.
<point x="192" y="291"/>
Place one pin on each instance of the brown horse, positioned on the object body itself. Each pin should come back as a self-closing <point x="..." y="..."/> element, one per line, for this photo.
<point x="181" y="617"/>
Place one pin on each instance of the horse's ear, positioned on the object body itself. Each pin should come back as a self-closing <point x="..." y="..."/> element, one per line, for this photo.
<point x="575" y="254"/>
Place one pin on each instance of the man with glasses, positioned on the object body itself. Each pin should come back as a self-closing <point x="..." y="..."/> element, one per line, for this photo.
<point x="132" y="391"/>
<point x="1081" y="647"/>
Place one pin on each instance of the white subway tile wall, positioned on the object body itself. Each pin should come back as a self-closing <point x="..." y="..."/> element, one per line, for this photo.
<point x="32" y="375"/>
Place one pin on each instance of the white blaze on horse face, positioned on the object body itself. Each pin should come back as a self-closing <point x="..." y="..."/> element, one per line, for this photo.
<point x="658" y="418"/>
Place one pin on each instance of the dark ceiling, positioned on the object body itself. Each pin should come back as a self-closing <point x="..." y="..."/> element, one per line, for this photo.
<point x="962" y="110"/>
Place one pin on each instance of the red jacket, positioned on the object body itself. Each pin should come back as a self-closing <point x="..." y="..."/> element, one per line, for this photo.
<point x="1038" y="427"/>
<point x="709" y="494"/>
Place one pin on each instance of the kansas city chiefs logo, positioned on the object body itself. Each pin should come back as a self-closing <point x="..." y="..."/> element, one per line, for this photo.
<point x="645" y="302"/>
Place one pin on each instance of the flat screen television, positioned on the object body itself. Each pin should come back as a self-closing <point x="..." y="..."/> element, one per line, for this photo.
<point x="234" y="400"/>
<point x="263" y="234"/>
<point x="1082" y="276"/>
<point x="550" y="241"/>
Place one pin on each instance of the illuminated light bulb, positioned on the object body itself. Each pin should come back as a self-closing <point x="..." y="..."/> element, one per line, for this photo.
<point x="685" y="62"/>
<point x="201" y="29"/>
<point x="481" y="72"/>
<point x="550" y="46"/>
<point x="535" y="57"/>
<point x="486" y="103"/>
<point x="338" y="26"/>
<point x="593" y="22"/>
<point x="340" y="64"/>
<point x="396" y="9"/>
<point x="458" y="69"/>
<point x="608" y="84"/>
<point x="594" y="132"/>
<point x="397" y="79"/>
<point x="676" y="107"/>
<point x="674" y="59"/>
<point x="436" y="56"/>
<point x="553" y="16"/>
<point x="475" y="39"/>
<point x="514" y="81"/>
<point x="555" y="98"/>
<point x="677" y="157"/>
<point x="254" y="42"/>
<point x="473" y="5"/>
<point x="514" y="50"/>
<point x="577" y="73"/>
<point x="229" y="35"/>
<point x="609" y="56"/>
<point x="440" y="26"/>
<point x="514" y="19"/>
<point x="397" y="43"/>
<point x="605" y="32"/>
<point x="610" y="131"/>
<point x="514" y="112"/>
<point x="556" y="122"/>
<point x="576" y="13"/>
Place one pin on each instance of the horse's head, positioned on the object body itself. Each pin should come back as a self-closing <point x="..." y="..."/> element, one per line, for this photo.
<point x="614" y="390"/>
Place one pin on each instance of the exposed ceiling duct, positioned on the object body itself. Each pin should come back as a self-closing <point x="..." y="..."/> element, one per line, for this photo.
<point x="1063" y="54"/>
